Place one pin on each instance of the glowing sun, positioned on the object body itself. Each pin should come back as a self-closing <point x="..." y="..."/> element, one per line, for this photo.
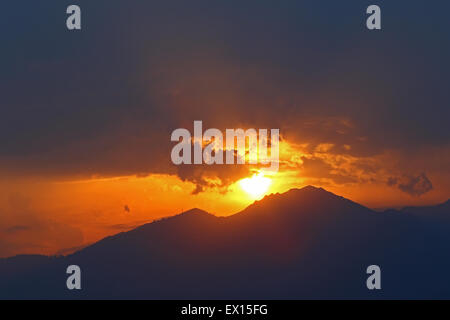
<point x="256" y="186"/>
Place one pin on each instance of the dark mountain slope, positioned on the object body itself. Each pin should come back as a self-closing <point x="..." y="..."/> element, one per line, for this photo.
<point x="305" y="243"/>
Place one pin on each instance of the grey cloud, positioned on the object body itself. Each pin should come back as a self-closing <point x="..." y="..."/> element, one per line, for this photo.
<point x="18" y="228"/>
<point x="412" y="185"/>
<point x="95" y="104"/>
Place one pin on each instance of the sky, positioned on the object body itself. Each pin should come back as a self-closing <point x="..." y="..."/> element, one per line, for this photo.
<point x="86" y="116"/>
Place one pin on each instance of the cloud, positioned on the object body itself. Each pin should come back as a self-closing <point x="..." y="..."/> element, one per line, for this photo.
<point x="15" y="229"/>
<point x="212" y="176"/>
<point x="242" y="71"/>
<point x="412" y="185"/>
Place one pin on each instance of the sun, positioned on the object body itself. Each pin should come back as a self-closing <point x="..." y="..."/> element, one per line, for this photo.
<point x="256" y="186"/>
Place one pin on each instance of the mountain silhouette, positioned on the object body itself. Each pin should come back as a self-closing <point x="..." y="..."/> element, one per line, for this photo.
<point x="439" y="212"/>
<point x="305" y="243"/>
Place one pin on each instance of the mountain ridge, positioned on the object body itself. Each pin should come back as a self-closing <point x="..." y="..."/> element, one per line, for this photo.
<point x="304" y="191"/>
<point x="304" y="243"/>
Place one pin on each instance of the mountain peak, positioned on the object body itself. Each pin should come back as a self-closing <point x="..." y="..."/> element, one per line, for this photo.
<point x="311" y="189"/>
<point x="306" y="201"/>
<point x="308" y="193"/>
<point x="195" y="211"/>
<point x="194" y="214"/>
<point x="191" y="214"/>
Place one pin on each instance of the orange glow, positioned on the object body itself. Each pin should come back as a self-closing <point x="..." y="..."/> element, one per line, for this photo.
<point x="45" y="216"/>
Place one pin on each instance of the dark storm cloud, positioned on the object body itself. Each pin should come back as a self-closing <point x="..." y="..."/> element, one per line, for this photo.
<point x="104" y="100"/>
<point x="412" y="185"/>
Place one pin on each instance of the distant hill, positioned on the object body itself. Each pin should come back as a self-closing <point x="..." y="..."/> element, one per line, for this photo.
<point x="440" y="211"/>
<point x="305" y="243"/>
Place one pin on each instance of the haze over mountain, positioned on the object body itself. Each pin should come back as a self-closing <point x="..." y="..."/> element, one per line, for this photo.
<point x="305" y="243"/>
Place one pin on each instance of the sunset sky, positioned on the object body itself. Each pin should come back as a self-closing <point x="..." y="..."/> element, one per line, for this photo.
<point x="86" y="116"/>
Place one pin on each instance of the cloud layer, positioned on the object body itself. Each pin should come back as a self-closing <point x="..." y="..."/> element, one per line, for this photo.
<point x="104" y="101"/>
